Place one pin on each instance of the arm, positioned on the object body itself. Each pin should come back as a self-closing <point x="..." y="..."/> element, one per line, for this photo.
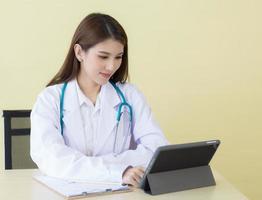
<point x="54" y="157"/>
<point x="147" y="134"/>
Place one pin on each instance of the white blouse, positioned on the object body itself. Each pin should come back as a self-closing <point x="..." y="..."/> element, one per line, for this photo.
<point x="90" y="114"/>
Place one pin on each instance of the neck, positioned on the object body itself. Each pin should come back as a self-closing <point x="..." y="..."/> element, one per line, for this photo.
<point x="88" y="87"/>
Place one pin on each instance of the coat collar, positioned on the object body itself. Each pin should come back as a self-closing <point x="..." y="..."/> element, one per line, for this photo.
<point x="108" y="95"/>
<point x="107" y="122"/>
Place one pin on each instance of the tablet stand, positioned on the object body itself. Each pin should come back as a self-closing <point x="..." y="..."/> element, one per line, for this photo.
<point x="177" y="180"/>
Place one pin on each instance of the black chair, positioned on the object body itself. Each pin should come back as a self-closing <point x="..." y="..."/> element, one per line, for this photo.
<point x="17" y="139"/>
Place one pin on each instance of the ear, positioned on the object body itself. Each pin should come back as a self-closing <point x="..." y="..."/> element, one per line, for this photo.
<point x="78" y="52"/>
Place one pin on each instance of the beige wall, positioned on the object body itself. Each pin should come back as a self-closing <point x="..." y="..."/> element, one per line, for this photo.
<point x="198" y="63"/>
<point x="1" y="144"/>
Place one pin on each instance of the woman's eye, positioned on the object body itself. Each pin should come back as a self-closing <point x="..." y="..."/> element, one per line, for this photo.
<point x="103" y="57"/>
<point x="119" y="57"/>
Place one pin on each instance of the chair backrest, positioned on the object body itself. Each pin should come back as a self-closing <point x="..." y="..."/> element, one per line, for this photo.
<point x="17" y="139"/>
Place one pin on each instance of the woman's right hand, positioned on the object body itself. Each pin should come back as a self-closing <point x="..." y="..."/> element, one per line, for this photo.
<point x="133" y="175"/>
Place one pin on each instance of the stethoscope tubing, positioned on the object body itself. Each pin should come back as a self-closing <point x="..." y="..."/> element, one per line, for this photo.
<point x="119" y="112"/>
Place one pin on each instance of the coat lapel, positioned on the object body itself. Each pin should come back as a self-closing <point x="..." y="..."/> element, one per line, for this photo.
<point x="73" y="125"/>
<point x="108" y="114"/>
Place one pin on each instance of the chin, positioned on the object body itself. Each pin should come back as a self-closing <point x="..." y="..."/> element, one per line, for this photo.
<point x="102" y="82"/>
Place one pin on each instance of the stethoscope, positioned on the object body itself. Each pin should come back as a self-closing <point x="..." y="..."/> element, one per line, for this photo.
<point x="117" y="149"/>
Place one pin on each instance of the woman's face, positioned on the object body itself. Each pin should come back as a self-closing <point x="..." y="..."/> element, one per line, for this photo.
<point x="101" y="61"/>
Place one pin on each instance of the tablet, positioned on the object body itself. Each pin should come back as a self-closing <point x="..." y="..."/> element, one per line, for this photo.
<point x="180" y="156"/>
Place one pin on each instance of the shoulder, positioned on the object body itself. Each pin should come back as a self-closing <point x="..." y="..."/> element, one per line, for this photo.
<point x="49" y="98"/>
<point x="131" y="92"/>
<point x="52" y="92"/>
<point x="47" y="104"/>
<point x="128" y="88"/>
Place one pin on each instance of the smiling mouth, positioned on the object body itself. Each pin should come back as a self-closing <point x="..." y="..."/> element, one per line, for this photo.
<point x="105" y="75"/>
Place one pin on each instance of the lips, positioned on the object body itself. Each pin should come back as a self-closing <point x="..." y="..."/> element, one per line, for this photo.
<point x="105" y="75"/>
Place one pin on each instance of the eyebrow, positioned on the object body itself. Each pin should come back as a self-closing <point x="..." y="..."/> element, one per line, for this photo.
<point x="107" y="53"/>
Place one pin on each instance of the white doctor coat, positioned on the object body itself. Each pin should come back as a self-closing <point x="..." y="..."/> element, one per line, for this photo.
<point x="64" y="156"/>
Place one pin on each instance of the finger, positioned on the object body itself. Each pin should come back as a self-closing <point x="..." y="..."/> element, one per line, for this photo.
<point x="135" y="183"/>
<point x="132" y="181"/>
<point x="141" y="168"/>
<point x="133" y="176"/>
<point x="129" y="178"/>
<point x="139" y="172"/>
<point x="137" y="178"/>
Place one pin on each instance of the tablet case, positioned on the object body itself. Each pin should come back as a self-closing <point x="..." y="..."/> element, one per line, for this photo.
<point x="177" y="180"/>
<point x="181" y="179"/>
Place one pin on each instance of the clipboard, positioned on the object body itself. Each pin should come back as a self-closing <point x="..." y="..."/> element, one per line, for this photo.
<point x="76" y="189"/>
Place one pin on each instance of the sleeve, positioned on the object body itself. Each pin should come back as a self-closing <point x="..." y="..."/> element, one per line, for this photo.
<point x="147" y="134"/>
<point x="54" y="157"/>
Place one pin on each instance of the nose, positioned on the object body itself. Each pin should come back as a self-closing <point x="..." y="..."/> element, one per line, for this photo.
<point x="110" y="68"/>
<point x="111" y="65"/>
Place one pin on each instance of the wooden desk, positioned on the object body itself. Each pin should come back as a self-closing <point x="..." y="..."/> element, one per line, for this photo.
<point x="19" y="185"/>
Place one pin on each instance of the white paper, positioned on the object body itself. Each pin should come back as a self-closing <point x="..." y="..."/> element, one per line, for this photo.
<point x="69" y="188"/>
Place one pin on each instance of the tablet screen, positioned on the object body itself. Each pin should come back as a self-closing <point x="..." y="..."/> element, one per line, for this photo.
<point x="181" y="156"/>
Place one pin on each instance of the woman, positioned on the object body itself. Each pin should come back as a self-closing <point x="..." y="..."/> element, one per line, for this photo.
<point x="77" y="131"/>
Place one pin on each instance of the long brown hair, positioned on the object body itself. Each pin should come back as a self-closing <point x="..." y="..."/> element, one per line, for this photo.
<point x="93" y="29"/>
